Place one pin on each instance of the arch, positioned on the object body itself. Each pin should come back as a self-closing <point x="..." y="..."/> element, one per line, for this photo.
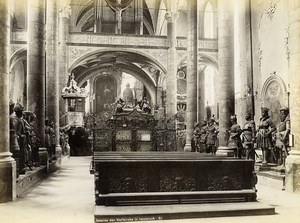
<point x="154" y="61"/>
<point x="273" y="95"/>
<point x="267" y="83"/>
<point x="20" y="54"/>
<point x="203" y="57"/>
<point x="201" y="8"/>
<point x="138" y="74"/>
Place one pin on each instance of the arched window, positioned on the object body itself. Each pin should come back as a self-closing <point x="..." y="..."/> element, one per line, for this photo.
<point x="209" y="21"/>
<point x="209" y="86"/>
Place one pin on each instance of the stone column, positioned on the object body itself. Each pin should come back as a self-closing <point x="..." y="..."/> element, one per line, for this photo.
<point x="52" y="74"/>
<point x="201" y="113"/>
<point x="7" y="163"/>
<point x="51" y="40"/>
<point x="139" y="24"/>
<point x="63" y="36"/>
<point x="245" y="52"/>
<point x="98" y="16"/>
<point x="171" y="93"/>
<point x="293" y="160"/>
<point x="36" y="65"/>
<point x="226" y="72"/>
<point x="192" y="61"/>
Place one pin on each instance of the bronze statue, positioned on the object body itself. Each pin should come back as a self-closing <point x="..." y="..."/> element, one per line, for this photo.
<point x="211" y="139"/>
<point x="13" y="138"/>
<point x="119" y="105"/>
<point x="264" y="135"/>
<point x="282" y="135"/>
<point x="19" y="128"/>
<point x="196" y="137"/>
<point x="203" y="136"/>
<point x="234" y="141"/>
<point x="248" y="137"/>
<point x="29" y="140"/>
<point x="145" y="105"/>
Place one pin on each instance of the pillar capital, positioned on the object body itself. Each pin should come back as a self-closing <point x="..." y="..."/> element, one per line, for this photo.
<point x="171" y="16"/>
<point x="65" y="12"/>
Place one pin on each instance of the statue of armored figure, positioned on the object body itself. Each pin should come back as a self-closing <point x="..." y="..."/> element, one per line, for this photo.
<point x="196" y="137"/>
<point x="234" y="141"/>
<point x="19" y="128"/>
<point x="248" y="137"/>
<point x="32" y="138"/>
<point x="29" y="139"/>
<point x="14" y="145"/>
<point x="211" y="140"/>
<point x="264" y="135"/>
<point x="282" y="135"/>
<point x="203" y="136"/>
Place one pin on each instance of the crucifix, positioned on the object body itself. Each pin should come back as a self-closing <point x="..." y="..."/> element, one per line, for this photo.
<point x="119" y="6"/>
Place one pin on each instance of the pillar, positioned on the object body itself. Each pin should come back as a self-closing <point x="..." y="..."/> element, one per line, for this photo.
<point x="293" y="160"/>
<point x="51" y="27"/>
<point x="192" y="61"/>
<point x="226" y="72"/>
<point x="52" y="83"/>
<point x="244" y="52"/>
<point x="98" y="10"/>
<point x="139" y="16"/>
<point x="63" y="36"/>
<point x="36" y="65"/>
<point x="201" y="112"/>
<point x="7" y="163"/>
<point x="171" y="93"/>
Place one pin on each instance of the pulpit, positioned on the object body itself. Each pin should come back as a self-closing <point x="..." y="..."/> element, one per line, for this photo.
<point x="75" y="103"/>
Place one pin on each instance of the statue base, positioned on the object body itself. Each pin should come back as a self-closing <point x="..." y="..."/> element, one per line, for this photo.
<point x="44" y="158"/>
<point x="225" y="151"/>
<point x="292" y="177"/>
<point x="188" y="148"/>
<point x="7" y="177"/>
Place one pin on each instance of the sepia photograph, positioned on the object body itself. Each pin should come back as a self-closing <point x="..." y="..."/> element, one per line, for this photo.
<point x="153" y="111"/>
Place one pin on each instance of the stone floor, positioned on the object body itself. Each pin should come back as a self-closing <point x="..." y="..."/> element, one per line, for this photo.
<point x="67" y="197"/>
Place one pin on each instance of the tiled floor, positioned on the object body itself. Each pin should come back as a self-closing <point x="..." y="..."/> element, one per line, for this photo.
<point x="67" y="196"/>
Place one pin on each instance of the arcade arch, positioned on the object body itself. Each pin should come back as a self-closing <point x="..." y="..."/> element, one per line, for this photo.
<point x="113" y="64"/>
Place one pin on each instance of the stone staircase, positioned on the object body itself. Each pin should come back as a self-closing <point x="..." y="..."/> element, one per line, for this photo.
<point x="271" y="175"/>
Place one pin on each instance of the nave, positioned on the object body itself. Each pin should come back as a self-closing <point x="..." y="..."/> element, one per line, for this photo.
<point x="67" y="196"/>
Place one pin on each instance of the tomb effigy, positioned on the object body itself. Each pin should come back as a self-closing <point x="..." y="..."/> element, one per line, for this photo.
<point x="131" y="169"/>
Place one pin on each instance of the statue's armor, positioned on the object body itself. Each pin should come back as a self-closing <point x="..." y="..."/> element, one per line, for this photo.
<point x="234" y="139"/>
<point x="203" y="134"/>
<point x="282" y="128"/>
<point x="211" y="135"/>
<point x="248" y="133"/>
<point x="265" y="126"/>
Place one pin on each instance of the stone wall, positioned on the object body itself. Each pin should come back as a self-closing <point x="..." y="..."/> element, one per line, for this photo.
<point x="270" y="57"/>
<point x="270" y="33"/>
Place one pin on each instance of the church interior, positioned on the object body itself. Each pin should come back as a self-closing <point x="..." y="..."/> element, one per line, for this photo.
<point x="185" y="102"/>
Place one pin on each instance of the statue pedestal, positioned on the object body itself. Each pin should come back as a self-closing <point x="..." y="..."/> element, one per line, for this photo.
<point x="188" y="148"/>
<point x="7" y="178"/>
<point x="292" y="177"/>
<point x="225" y="151"/>
<point x="58" y="154"/>
<point x="44" y="158"/>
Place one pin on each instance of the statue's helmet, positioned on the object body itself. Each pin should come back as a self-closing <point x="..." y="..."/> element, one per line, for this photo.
<point x="264" y="110"/>
<point x="18" y="108"/>
<point x="284" y="109"/>
<point x="233" y="118"/>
